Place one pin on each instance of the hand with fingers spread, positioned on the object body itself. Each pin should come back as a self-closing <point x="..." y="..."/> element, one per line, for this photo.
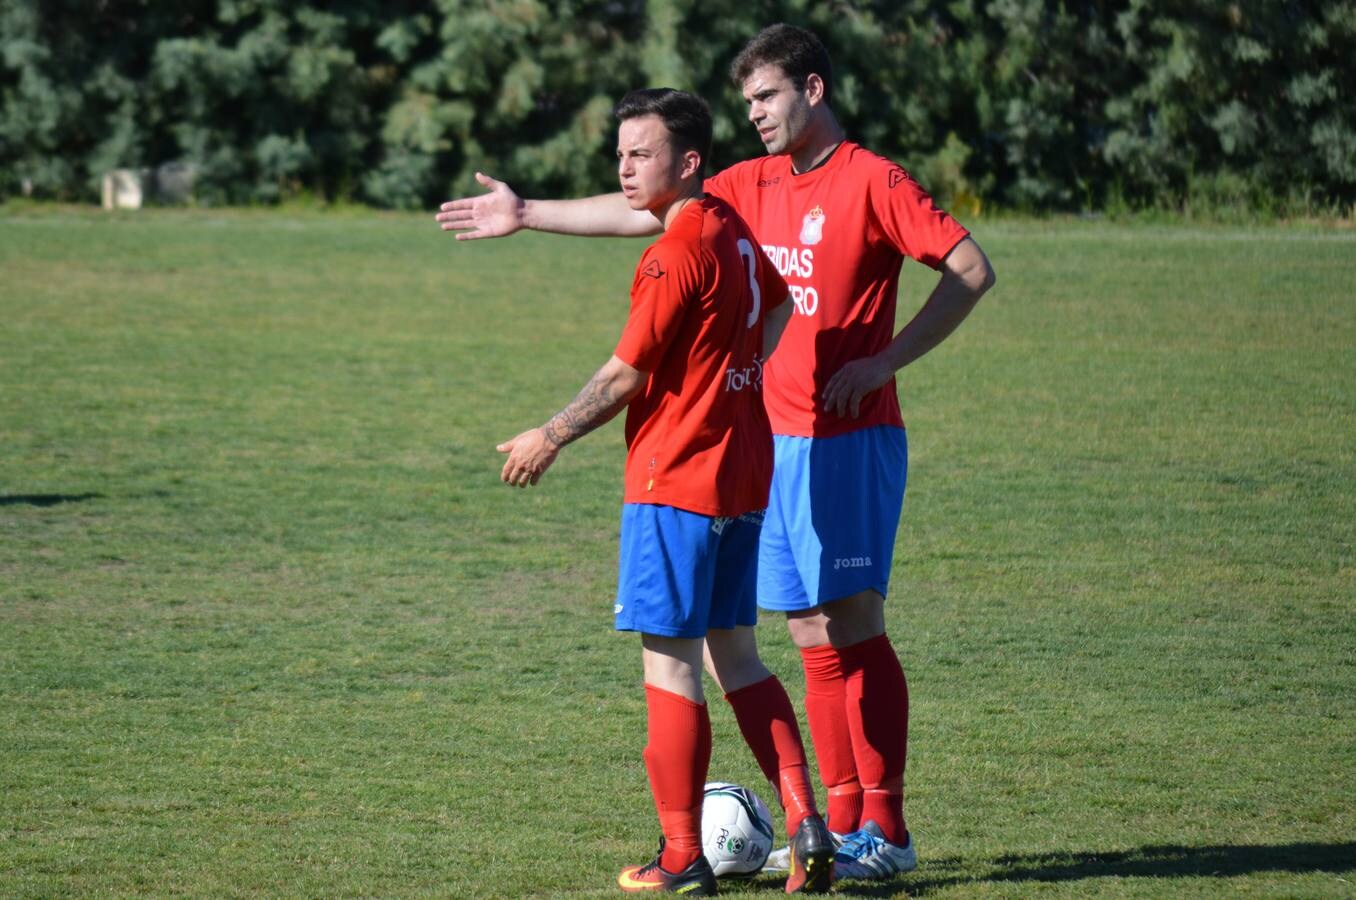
<point x="845" y="390"/>
<point x="530" y="454"/>
<point x="497" y="213"/>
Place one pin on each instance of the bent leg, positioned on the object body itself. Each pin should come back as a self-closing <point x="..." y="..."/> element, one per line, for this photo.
<point x="766" y="719"/>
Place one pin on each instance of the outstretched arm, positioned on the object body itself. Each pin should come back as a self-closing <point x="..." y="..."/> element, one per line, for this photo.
<point x="500" y="212"/>
<point x="531" y="453"/>
<point x="966" y="275"/>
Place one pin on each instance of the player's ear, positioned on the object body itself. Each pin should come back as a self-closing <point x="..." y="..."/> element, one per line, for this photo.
<point x="692" y="163"/>
<point x="814" y="89"/>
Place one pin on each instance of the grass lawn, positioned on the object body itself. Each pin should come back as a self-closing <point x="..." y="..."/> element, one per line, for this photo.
<point x="269" y="624"/>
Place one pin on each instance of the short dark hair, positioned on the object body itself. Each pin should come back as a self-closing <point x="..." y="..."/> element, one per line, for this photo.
<point x="686" y="116"/>
<point x="795" y="51"/>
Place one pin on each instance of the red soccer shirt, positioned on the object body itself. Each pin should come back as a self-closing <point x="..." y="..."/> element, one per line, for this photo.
<point x="838" y="234"/>
<point x="697" y="436"/>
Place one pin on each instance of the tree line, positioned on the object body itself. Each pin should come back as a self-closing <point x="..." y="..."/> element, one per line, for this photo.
<point x="1017" y="104"/>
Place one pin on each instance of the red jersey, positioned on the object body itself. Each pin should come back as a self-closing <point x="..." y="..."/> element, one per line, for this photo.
<point x="697" y="436"/>
<point x="839" y="234"/>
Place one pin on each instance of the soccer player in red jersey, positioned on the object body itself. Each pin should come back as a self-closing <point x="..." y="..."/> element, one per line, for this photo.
<point x="707" y="306"/>
<point x="837" y="221"/>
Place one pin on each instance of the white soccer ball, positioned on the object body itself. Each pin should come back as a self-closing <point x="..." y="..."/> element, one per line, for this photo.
<point x="736" y="829"/>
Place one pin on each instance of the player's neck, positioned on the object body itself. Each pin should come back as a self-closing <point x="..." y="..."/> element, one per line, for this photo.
<point x="667" y="214"/>
<point x="823" y="138"/>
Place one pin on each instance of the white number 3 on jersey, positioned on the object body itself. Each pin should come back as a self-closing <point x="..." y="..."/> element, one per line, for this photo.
<point x="746" y="250"/>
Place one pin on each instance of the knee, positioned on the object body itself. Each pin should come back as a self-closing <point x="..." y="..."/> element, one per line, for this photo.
<point x="841" y="623"/>
<point x="736" y="671"/>
<point x="809" y="630"/>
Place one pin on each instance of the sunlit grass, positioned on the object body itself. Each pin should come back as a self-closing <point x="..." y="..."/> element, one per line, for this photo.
<point x="270" y="625"/>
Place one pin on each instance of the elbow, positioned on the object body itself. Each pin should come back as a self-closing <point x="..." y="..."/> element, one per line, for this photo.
<point x="989" y="279"/>
<point x="631" y="382"/>
<point x="980" y="279"/>
<point x="634" y="387"/>
<point x="620" y="380"/>
<point x="970" y="267"/>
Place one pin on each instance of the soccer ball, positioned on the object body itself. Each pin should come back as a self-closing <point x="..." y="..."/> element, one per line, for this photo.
<point x="736" y="829"/>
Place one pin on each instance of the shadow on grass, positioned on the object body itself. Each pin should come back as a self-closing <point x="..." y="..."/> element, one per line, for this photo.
<point x="45" y="499"/>
<point x="1164" y="861"/>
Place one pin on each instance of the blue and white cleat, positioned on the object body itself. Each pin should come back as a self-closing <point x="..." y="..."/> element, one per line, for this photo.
<point x="866" y="854"/>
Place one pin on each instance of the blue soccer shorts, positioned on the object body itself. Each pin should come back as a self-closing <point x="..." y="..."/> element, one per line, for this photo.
<point x="682" y="573"/>
<point x="832" y="517"/>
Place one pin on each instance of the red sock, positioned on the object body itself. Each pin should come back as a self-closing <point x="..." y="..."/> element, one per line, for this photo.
<point x="878" y="715"/>
<point x="676" y="757"/>
<point x="845" y="804"/>
<point x="826" y="713"/>
<point x="769" y="726"/>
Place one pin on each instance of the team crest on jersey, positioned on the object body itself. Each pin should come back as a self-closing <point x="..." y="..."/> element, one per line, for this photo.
<point x="653" y="270"/>
<point x="812" y="226"/>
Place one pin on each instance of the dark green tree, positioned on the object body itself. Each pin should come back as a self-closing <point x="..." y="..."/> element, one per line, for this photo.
<point x="1022" y="103"/>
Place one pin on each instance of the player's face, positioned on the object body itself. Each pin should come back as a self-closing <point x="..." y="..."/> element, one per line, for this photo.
<point x="648" y="166"/>
<point x="779" y="111"/>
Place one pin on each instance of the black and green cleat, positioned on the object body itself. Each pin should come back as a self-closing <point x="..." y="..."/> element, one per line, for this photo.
<point x="810" y="867"/>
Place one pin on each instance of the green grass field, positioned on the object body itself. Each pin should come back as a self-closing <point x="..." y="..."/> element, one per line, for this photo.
<point x="269" y="625"/>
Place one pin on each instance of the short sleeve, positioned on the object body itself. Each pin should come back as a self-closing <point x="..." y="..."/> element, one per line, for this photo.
<point x="666" y="284"/>
<point x="721" y="185"/>
<point x="909" y="219"/>
<point x="734" y="185"/>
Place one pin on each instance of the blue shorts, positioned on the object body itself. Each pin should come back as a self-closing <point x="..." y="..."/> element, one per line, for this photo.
<point x="682" y="573"/>
<point x="832" y="517"/>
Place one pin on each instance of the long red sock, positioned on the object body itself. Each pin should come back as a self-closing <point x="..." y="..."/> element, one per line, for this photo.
<point x="676" y="758"/>
<point x="768" y="723"/>
<point x="877" y="705"/>
<point x="826" y="713"/>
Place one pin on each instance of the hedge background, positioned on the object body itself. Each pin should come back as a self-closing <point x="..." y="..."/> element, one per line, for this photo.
<point x="1015" y="103"/>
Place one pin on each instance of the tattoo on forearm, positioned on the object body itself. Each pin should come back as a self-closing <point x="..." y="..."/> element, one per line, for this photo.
<point x="597" y="402"/>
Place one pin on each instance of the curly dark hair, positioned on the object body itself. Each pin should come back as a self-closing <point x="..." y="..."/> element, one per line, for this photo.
<point x="795" y="51"/>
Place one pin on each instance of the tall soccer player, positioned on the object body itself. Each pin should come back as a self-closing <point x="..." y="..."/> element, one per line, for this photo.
<point x="706" y="309"/>
<point x="838" y="221"/>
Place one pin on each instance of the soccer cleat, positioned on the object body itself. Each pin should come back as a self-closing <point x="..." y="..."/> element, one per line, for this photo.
<point x="696" y="880"/>
<point x="810" y="857"/>
<point x="866" y="854"/>
<point x="780" y="860"/>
